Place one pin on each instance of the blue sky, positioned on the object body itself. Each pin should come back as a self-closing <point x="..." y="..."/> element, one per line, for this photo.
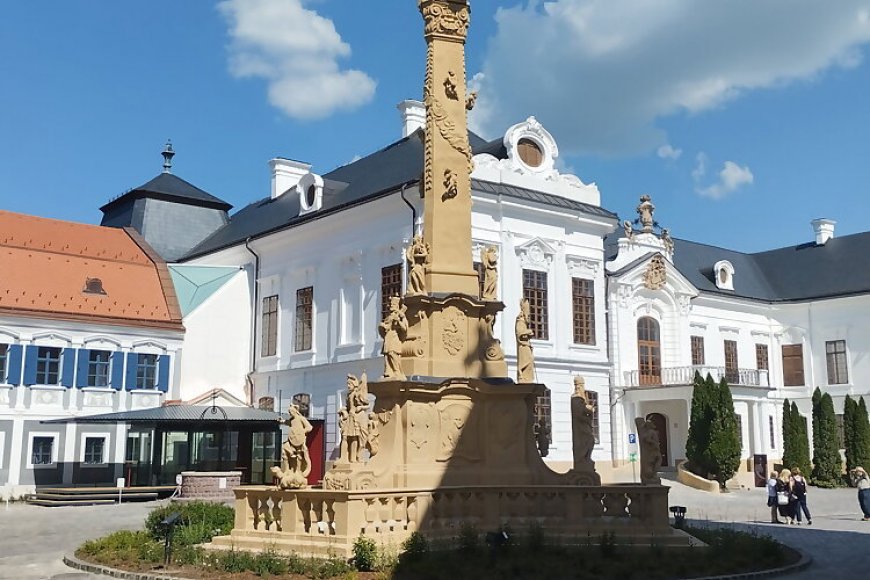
<point x="744" y="120"/>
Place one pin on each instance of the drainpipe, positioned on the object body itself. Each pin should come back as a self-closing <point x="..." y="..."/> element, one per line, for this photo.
<point x="409" y="204"/>
<point x="249" y="377"/>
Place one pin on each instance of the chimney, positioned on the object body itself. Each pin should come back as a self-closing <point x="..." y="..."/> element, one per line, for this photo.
<point x="824" y="230"/>
<point x="413" y="116"/>
<point x="286" y="173"/>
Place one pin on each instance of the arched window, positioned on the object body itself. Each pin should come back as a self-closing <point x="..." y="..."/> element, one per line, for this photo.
<point x="649" y="351"/>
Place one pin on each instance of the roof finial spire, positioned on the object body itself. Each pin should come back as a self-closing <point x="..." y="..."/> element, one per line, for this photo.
<point x="168" y="153"/>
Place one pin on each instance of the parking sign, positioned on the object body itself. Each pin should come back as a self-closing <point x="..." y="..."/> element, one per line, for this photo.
<point x="632" y="438"/>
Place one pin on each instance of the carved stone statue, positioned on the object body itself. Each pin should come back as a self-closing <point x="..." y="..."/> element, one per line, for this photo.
<point x="582" y="428"/>
<point x="525" y="358"/>
<point x="417" y="255"/>
<point x="650" y="451"/>
<point x="295" y="461"/>
<point x="645" y="211"/>
<point x="489" y="259"/>
<point x="668" y="241"/>
<point x="393" y="329"/>
<point x="626" y="227"/>
<point x="354" y="421"/>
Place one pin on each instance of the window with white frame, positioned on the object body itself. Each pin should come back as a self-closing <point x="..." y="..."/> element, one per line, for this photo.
<point x="835" y="353"/>
<point x="98" y="368"/>
<point x="4" y="355"/>
<point x="94" y="450"/>
<point x="48" y="366"/>
<point x="592" y="399"/>
<point x="42" y="450"/>
<point x="771" y="425"/>
<point x="146" y="371"/>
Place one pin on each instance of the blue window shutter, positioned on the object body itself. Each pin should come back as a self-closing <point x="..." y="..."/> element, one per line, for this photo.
<point x="30" y="354"/>
<point x="13" y="364"/>
<point x="117" y="370"/>
<point x="163" y="373"/>
<point x="82" y="368"/>
<point x="132" y="362"/>
<point x="68" y="365"/>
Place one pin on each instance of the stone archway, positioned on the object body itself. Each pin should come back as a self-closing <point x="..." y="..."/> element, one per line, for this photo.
<point x="661" y="424"/>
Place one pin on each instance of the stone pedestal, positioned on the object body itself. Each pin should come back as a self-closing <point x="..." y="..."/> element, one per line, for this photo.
<point x="209" y="485"/>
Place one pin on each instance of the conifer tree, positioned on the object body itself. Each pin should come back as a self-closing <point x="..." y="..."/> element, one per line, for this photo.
<point x="801" y="441"/>
<point x="699" y="427"/>
<point x="850" y="425"/>
<point x="817" y="409"/>
<point x="827" y="465"/>
<point x="789" y="434"/>
<point x="725" y="439"/>
<point x="862" y="435"/>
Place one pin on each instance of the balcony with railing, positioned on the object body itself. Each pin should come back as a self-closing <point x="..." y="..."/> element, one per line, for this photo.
<point x="679" y="376"/>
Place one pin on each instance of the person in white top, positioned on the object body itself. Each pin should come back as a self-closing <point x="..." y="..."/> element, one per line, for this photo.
<point x="862" y="482"/>
<point x="771" y="498"/>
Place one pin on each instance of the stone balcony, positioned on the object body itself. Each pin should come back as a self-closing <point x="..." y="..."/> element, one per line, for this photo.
<point x="682" y="376"/>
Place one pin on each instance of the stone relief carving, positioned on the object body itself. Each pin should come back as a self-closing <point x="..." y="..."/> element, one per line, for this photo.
<point x="442" y="17"/>
<point x="578" y="265"/>
<point x="489" y="260"/>
<point x="536" y="253"/>
<point x="525" y="357"/>
<point x="645" y="211"/>
<point x="450" y="86"/>
<point x="354" y="421"/>
<point x="655" y="276"/>
<point x="451" y="187"/>
<point x="668" y="241"/>
<point x="420" y="423"/>
<point x="393" y="330"/>
<point x="295" y="461"/>
<point x="582" y="416"/>
<point x="418" y="256"/>
<point x="650" y="451"/>
<point x="453" y="333"/>
<point x="493" y="350"/>
<point x="455" y="424"/>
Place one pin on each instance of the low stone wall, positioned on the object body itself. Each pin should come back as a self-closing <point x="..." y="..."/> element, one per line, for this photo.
<point x="686" y="477"/>
<point x="209" y="485"/>
<point x="327" y="522"/>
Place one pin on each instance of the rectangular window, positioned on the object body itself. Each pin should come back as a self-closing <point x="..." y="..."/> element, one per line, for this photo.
<point x="4" y="350"/>
<point x="146" y="371"/>
<point x="43" y="448"/>
<point x="478" y="267"/>
<point x="98" y="368"/>
<point x="535" y="291"/>
<point x="592" y="399"/>
<point x="391" y="285"/>
<point x="544" y="417"/>
<point x="732" y="375"/>
<point x="835" y="351"/>
<point x="94" y="450"/>
<point x="761" y="358"/>
<point x="48" y="366"/>
<point x="270" y="326"/>
<point x="771" y="424"/>
<point x="697" y="351"/>
<point x="739" y="418"/>
<point x="583" y="293"/>
<point x="793" y="365"/>
<point x="304" y="314"/>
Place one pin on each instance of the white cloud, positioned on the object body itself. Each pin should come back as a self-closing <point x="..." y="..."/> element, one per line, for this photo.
<point x="731" y="178"/>
<point x="296" y="51"/>
<point x="601" y="73"/>
<point x="666" y="151"/>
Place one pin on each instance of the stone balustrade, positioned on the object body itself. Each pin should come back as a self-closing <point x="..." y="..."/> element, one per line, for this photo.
<point x="326" y="522"/>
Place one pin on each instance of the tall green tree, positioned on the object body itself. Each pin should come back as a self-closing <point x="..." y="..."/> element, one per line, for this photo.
<point x="850" y="426"/>
<point x="827" y="465"/>
<point x="725" y="439"/>
<point x="788" y="435"/>
<point x="801" y="441"/>
<point x="700" y="421"/>
<point x="817" y="411"/>
<point x="862" y="435"/>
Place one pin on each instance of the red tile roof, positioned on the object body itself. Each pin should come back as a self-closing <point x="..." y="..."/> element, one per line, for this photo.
<point x="45" y="265"/>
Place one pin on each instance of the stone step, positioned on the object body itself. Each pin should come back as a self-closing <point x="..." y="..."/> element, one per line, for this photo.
<point x="69" y="502"/>
<point x="132" y="496"/>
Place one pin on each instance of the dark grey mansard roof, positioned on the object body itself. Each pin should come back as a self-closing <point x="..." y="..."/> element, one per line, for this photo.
<point x="366" y="179"/>
<point x="841" y="267"/>
<point x="172" y="188"/>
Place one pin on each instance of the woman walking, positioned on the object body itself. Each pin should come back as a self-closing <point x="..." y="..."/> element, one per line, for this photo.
<point x="862" y="481"/>
<point x="783" y="496"/>
<point x="798" y="487"/>
<point x="771" y="497"/>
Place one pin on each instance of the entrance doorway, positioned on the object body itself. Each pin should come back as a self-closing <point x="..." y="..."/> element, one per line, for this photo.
<point x="661" y="425"/>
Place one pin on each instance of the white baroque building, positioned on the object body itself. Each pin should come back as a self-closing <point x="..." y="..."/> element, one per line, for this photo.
<point x="629" y="309"/>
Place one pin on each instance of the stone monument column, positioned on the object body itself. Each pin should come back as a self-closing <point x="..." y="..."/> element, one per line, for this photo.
<point x="447" y="171"/>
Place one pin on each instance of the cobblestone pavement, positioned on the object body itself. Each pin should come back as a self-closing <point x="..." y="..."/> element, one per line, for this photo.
<point x="34" y="539"/>
<point x="838" y="540"/>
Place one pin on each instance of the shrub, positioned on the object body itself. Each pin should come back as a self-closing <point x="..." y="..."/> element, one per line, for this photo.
<point x="365" y="554"/>
<point x="233" y="561"/>
<point x="199" y="521"/>
<point x="122" y="546"/>
<point x="415" y="547"/>
<point x="468" y="540"/>
<point x="827" y="465"/>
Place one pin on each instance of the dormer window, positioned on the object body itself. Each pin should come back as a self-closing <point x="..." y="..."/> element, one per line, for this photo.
<point x="530" y="152"/>
<point x="310" y="189"/>
<point x="530" y="148"/>
<point x="724" y="273"/>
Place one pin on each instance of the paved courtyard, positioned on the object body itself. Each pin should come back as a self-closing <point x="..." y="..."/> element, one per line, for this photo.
<point x="34" y="539"/>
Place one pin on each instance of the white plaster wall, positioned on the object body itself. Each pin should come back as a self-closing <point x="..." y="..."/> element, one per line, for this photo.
<point x="217" y="341"/>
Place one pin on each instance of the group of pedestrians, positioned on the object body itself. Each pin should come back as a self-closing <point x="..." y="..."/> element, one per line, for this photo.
<point x="787" y="495"/>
